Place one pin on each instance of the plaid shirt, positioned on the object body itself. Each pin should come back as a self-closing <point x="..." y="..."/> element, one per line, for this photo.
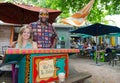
<point x="43" y="35"/>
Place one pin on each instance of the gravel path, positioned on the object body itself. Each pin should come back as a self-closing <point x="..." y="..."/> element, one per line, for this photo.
<point x="103" y="73"/>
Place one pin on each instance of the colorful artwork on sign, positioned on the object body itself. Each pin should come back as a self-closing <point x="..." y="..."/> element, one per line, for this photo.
<point x="47" y="68"/>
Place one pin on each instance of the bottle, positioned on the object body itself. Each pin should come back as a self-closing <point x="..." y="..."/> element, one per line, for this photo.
<point x="61" y="77"/>
<point x="58" y="43"/>
<point x="62" y="42"/>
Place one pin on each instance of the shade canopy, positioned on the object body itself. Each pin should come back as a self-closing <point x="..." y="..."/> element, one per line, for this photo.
<point x="80" y="35"/>
<point x="114" y="34"/>
<point x="97" y="29"/>
<point x="23" y="14"/>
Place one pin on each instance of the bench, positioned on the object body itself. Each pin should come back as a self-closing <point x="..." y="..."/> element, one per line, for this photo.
<point x="77" y="77"/>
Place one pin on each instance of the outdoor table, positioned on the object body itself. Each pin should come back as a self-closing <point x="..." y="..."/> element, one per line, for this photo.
<point x="42" y="65"/>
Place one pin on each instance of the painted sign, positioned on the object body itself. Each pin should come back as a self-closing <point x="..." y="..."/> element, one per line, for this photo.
<point x="46" y="68"/>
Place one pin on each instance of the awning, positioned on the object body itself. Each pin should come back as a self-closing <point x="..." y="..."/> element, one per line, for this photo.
<point x="23" y="14"/>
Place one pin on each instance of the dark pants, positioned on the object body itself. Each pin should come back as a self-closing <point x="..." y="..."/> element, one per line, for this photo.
<point x="14" y="74"/>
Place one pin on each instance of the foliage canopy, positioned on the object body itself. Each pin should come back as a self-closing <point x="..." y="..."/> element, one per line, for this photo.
<point x="100" y="8"/>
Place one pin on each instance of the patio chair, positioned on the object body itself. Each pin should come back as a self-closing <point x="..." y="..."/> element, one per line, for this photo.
<point x="4" y="48"/>
<point x="115" y="60"/>
<point x="112" y="58"/>
<point x="3" y="53"/>
<point x="117" y="57"/>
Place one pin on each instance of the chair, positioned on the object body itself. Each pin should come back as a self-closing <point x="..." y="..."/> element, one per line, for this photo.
<point x="116" y="58"/>
<point x="113" y="58"/>
<point x="4" y="48"/>
<point x="3" y="51"/>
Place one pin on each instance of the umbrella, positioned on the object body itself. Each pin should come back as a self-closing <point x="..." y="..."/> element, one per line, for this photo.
<point x="23" y="14"/>
<point x="97" y="29"/>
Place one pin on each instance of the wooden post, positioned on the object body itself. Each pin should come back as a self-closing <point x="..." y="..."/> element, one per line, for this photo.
<point x="11" y="35"/>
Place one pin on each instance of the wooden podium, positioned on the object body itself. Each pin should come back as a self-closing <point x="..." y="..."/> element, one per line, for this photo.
<point x="41" y="65"/>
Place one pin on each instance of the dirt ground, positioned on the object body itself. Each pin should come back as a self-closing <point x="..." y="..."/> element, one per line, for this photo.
<point x="101" y="72"/>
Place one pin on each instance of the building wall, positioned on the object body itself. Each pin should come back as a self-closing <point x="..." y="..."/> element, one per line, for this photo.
<point x="63" y="31"/>
<point x="4" y="36"/>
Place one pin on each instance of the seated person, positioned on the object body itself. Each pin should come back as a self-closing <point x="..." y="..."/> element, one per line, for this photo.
<point x="108" y="54"/>
<point x="108" y="50"/>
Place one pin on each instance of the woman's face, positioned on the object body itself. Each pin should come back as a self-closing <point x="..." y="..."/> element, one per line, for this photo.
<point x="26" y="34"/>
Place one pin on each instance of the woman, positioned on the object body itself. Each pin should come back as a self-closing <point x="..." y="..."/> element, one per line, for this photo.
<point x="24" y="41"/>
<point x="25" y="38"/>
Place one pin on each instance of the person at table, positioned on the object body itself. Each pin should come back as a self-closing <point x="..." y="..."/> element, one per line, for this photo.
<point x="108" y="54"/>
<point x="108" y="49"/>
<point x="85" y="46"/>
<point x="43" y="32"/>
<point x="24" y="41"/>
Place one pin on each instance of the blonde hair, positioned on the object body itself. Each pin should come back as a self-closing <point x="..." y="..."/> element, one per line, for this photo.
<point x="20" y="40"/>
